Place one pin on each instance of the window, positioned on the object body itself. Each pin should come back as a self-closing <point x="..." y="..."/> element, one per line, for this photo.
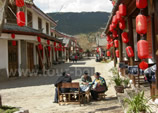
<point x="29" y="19"/>
<point x="39" y="23"/>
<point x="47" y="28"/>
<point x="11" y="18"/>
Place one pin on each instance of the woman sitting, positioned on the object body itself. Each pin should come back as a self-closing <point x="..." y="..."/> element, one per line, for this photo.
<point x="99" y="86"/>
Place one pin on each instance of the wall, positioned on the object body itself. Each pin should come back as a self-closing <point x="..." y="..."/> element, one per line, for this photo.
<point x="3" y="59"/>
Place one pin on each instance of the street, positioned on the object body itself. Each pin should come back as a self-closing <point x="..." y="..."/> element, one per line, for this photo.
<point x="37" y="93"/>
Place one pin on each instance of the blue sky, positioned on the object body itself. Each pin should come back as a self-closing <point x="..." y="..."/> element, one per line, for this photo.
<point x="74" y="5"/>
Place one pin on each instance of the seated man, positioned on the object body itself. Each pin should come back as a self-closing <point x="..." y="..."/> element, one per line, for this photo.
<point x="99" y="86"/>
<point x="85" y="82"/>
<point x="65" y="78"/>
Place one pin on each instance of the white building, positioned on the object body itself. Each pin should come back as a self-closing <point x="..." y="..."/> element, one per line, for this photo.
<point x="25" y="55"/>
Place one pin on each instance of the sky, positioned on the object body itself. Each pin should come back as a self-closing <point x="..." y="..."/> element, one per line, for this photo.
<point x="74" y="5"/>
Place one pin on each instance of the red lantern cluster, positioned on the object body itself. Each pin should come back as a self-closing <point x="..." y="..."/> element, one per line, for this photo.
<point x="141" y="28"/>
<point x="39" y="39"/>
<point x="108" y="38"/>
<point x="129" y="51"/>
<point x="118" y="16"/>
<point x="20" y="15"/>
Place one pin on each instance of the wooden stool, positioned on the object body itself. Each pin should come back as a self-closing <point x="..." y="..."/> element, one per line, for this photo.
<point x="102" y="95"/>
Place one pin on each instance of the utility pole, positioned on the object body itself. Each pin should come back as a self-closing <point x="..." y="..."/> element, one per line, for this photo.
<point x="3" y="6"/>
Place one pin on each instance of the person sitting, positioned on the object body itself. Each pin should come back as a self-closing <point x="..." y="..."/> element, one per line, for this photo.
<point x="85" y="80"/>
<point x="99" y="86"/>
<point x="65" y="78"/>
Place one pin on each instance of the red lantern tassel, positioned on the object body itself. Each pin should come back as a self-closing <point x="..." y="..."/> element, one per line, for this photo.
<point x="14" y="43"/>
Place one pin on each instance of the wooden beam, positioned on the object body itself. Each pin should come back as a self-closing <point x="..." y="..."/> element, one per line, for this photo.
<point x="120" y="45"/>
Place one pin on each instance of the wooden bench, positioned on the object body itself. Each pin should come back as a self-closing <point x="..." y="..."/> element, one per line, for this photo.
<point x="101" y="96"/>
<point x="69" y="98"/>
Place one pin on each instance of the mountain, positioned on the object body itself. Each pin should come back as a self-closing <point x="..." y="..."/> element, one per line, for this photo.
<point x="77" y="23"/>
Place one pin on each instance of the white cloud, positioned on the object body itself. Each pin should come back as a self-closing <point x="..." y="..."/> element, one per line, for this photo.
<point x="74" y="5"/>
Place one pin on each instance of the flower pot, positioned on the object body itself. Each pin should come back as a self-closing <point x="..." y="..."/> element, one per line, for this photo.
<point x="119" y="89"/>
<point x="142" y="111"/>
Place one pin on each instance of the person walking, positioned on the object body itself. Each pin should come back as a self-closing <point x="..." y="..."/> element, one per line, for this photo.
<point x="76" y="58"/>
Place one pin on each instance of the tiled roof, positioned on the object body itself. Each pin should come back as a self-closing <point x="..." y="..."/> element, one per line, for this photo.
<point x="13" y="28"/>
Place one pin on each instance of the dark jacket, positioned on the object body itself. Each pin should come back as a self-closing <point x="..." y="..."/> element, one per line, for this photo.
<point x="63" y="79"/>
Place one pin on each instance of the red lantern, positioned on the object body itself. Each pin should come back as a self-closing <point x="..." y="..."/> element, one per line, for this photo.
<point x="114" y="19"/>
<point x="54" y="43"/>
<point x="118" y="16"/>
<point x="122" y="24"/>
<point x="113" y="25"/>
<point x="108" y="46"/>
<point x="143" y="49"/>
<point x="108" y="53"/>
<point x="108" y="38"/>
<point x="125" y="37"/>
<point x="129" y="51"/>
<point x="143" y="65"/>
<point x="19" y="3"/>
<point x="141" y="4"/>
<point x="20" y="18"/>
<point x="117" y="53"/>
<point x="111" y="28"/>
<point x="116" y="43"/>
<point x="111" y="44"/>
<point x="39" y="39"/>
<point x="141" y="24"/>
<point x="48" y="42"/>
<point x="40" y="46"/>
<point x="14" y="43"/>
<point x="113" y="3"/>
<point x="122" y="10"/>
<point x="49" y="48"/>
<point x="114" y="34"/>
<point x="13" y="36"/>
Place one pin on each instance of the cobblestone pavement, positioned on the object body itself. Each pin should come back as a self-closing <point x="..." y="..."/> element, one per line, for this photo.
<point x="36" y="93"/>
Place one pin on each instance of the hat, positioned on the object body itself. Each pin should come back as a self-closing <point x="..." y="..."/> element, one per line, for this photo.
<point x="86" y="73"/>
<point x="97" y="73"/>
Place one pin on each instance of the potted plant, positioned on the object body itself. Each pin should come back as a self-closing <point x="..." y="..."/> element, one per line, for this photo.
<point x="117" y="80"/>
<point x="126" y="83"/>
<point x="118" y="84"/>
<point x="138" y="104"/>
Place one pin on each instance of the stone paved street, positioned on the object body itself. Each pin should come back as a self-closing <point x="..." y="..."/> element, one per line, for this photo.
<point x="37" y="93"/>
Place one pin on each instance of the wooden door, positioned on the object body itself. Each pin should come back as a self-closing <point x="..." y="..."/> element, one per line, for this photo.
<point x="30" y="56"/>
<point x="13" y="59"/>
<point x="47" y="58"/>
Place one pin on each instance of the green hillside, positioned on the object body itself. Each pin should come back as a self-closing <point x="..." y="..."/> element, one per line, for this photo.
<point x="77" y="23"/>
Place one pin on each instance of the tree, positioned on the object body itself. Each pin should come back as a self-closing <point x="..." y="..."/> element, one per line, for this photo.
<point x="3" y="6"/>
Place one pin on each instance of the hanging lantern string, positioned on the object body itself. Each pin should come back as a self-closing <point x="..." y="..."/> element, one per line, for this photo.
<point x="15" y="14"/>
